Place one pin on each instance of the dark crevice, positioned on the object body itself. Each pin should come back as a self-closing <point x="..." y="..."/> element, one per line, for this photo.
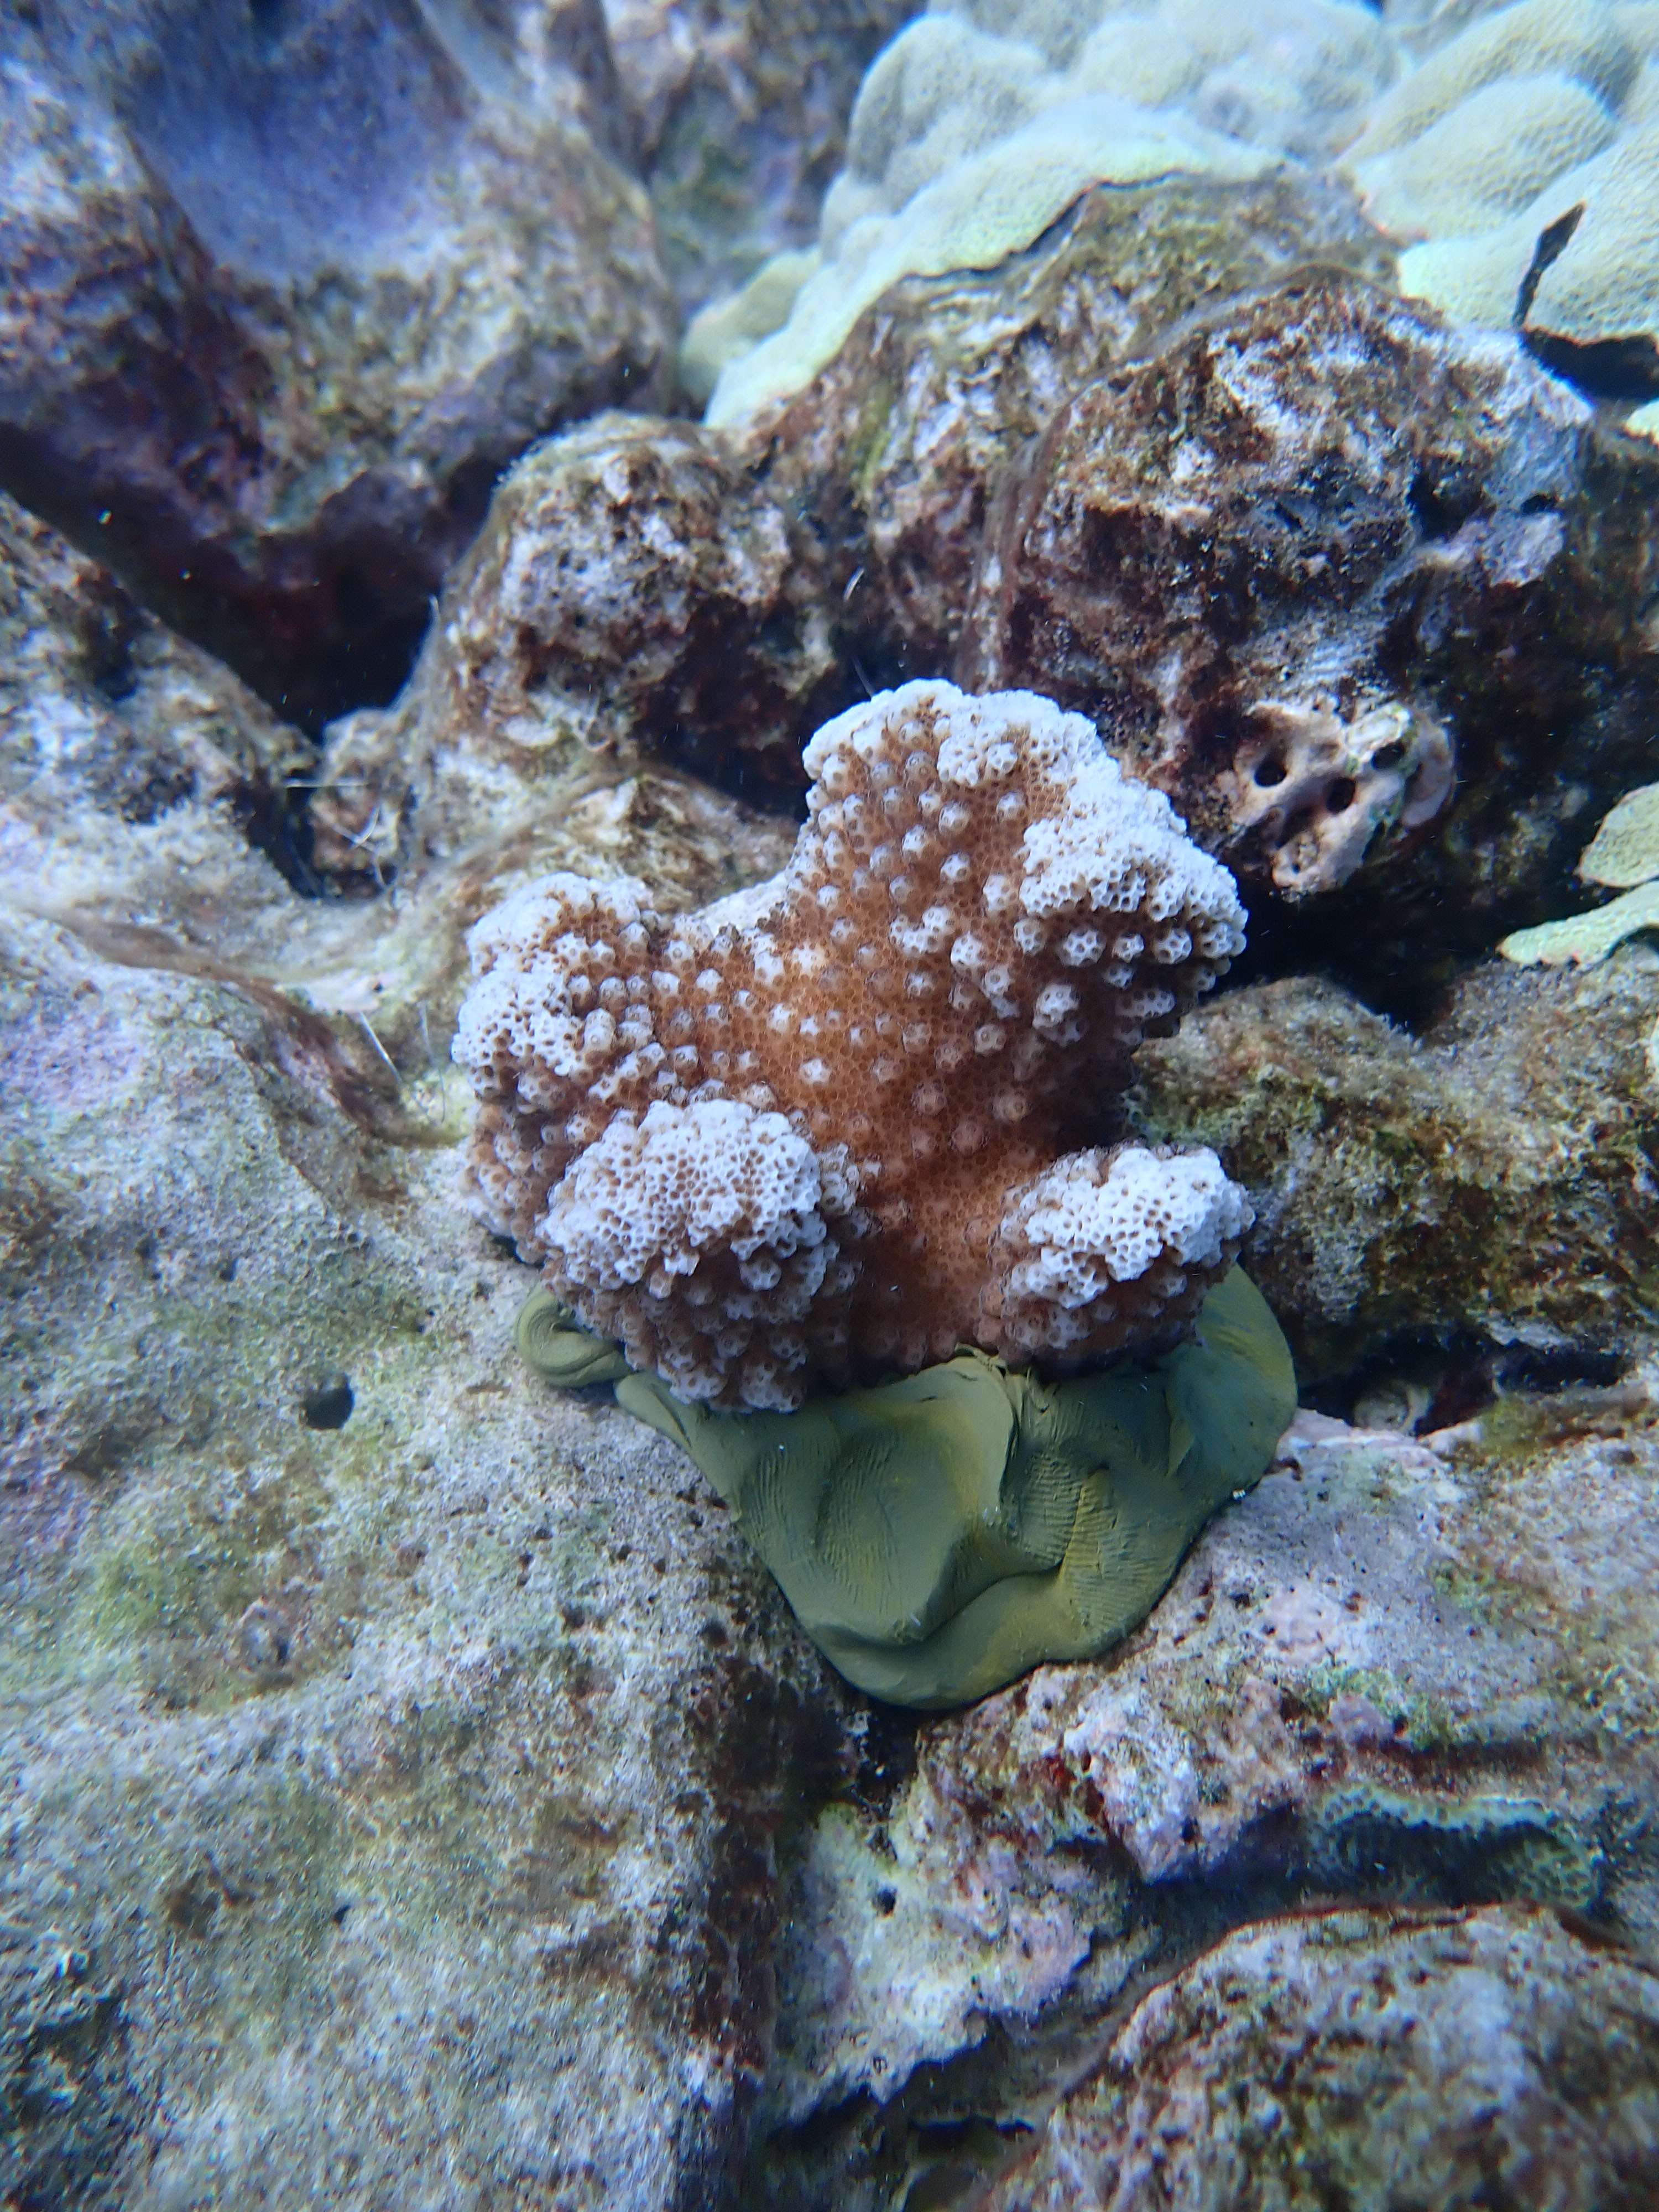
<point x="1606" y="368"/>
<point x="1552" y="244"/>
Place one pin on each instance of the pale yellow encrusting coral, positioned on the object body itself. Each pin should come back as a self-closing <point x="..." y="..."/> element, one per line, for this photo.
<point x="1624" y="851"/>
<point x="977" y="127"/>
<point x="1522" y="155"/>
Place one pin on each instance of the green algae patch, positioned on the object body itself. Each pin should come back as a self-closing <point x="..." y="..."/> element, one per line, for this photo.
<point x="939" y="1535"/>
<point x="1480" y="1847"/>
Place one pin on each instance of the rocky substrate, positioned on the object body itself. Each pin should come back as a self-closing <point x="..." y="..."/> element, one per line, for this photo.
<point x="388" y="1736"/>
<point x="413" y="1790"/>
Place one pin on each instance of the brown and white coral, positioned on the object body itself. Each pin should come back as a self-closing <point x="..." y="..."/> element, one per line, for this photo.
<point x="822" y="1129"/>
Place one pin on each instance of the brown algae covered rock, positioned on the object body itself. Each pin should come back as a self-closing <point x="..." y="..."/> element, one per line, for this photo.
<point x="1341" y="579"/>
<point x="282" y="303"/>
<point x="647" y="589"/>
<point x="897" y="449"/>
<point x="1491" y="1178"/>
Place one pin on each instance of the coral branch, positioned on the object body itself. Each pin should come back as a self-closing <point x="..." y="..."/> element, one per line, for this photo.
<point x="812" y="1130"/>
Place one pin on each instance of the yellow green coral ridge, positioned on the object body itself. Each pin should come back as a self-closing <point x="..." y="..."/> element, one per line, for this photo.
<point x="1624" y="850"/>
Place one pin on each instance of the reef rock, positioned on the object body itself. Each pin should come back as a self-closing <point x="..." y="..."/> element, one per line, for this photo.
<point x="1366" y="595"/>
<point x="645" y="589"/>
<point x="141" y="785"/>
<point x="285" y="293"/>
<point x="1390" y="1675"/>
<point x="1489" y="1182"/>
<point x="374" y="1734"/>
<point x="1366" y="2046"/>
<point x="816" y="1129"/>
<point x="1338" y="579"/>
<point x="634" y="598"/>
<point x="898" y="448"/>
<point x="740" y="111"/>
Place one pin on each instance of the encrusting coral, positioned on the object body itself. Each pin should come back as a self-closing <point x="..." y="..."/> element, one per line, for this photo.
<point x="1523" y="154"/>
<point x="818" y="1131"/>
<point x="1623" y="855"/>
<point x="978" y="125"/>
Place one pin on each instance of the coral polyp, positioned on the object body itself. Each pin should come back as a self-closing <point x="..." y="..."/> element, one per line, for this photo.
<point x="820" y="1130"/>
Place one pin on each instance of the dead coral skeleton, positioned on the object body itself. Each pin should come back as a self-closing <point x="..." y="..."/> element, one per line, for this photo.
<point x="819" y="1130"/>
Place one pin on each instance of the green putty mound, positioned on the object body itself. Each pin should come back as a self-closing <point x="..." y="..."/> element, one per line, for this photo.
<point x="939" y="1535"/>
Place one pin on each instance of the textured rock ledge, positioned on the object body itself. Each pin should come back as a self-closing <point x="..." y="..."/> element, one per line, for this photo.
<point x="1389" y="1672"/>
<point x="1366" y="595"/>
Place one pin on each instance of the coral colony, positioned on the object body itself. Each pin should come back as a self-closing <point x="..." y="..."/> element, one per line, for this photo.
<point x="822" y="1131"/>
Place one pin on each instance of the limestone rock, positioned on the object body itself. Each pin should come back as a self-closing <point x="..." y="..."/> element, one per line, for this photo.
<point x="286" y="293"/>
<point x="1388" y="1675"/>
<point x="1488" y="1180"/>
<point x="1365" y="2047"/>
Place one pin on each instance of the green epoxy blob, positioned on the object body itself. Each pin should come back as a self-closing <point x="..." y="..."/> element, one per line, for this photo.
<point x="549" y="1340"/>
<point x="939" y="1535"/>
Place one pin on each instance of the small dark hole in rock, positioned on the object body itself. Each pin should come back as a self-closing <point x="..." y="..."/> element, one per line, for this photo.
<point x="1338" y="797"/>
<point x="886" y="1901"/>
<point x="329" y="1406"/>
<point x="338" y="1915"/>
<point x="1268" y="773"/>
<point x="1389" y="756"/>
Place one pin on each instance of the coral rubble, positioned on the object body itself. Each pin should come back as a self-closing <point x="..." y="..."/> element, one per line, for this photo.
<point x="817" y="1128"/>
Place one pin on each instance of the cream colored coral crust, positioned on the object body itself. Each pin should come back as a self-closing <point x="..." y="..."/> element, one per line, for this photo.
<point x="814" y="1130"/>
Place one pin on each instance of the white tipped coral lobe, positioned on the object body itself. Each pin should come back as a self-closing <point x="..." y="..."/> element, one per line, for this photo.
<point x="819" y="1130"/>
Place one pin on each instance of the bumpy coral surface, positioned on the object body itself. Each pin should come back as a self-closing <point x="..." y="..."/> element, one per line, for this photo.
<point x="1523" y="153"/>
<point x="979" y="124"/>
<point x="816" y="1129"/>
